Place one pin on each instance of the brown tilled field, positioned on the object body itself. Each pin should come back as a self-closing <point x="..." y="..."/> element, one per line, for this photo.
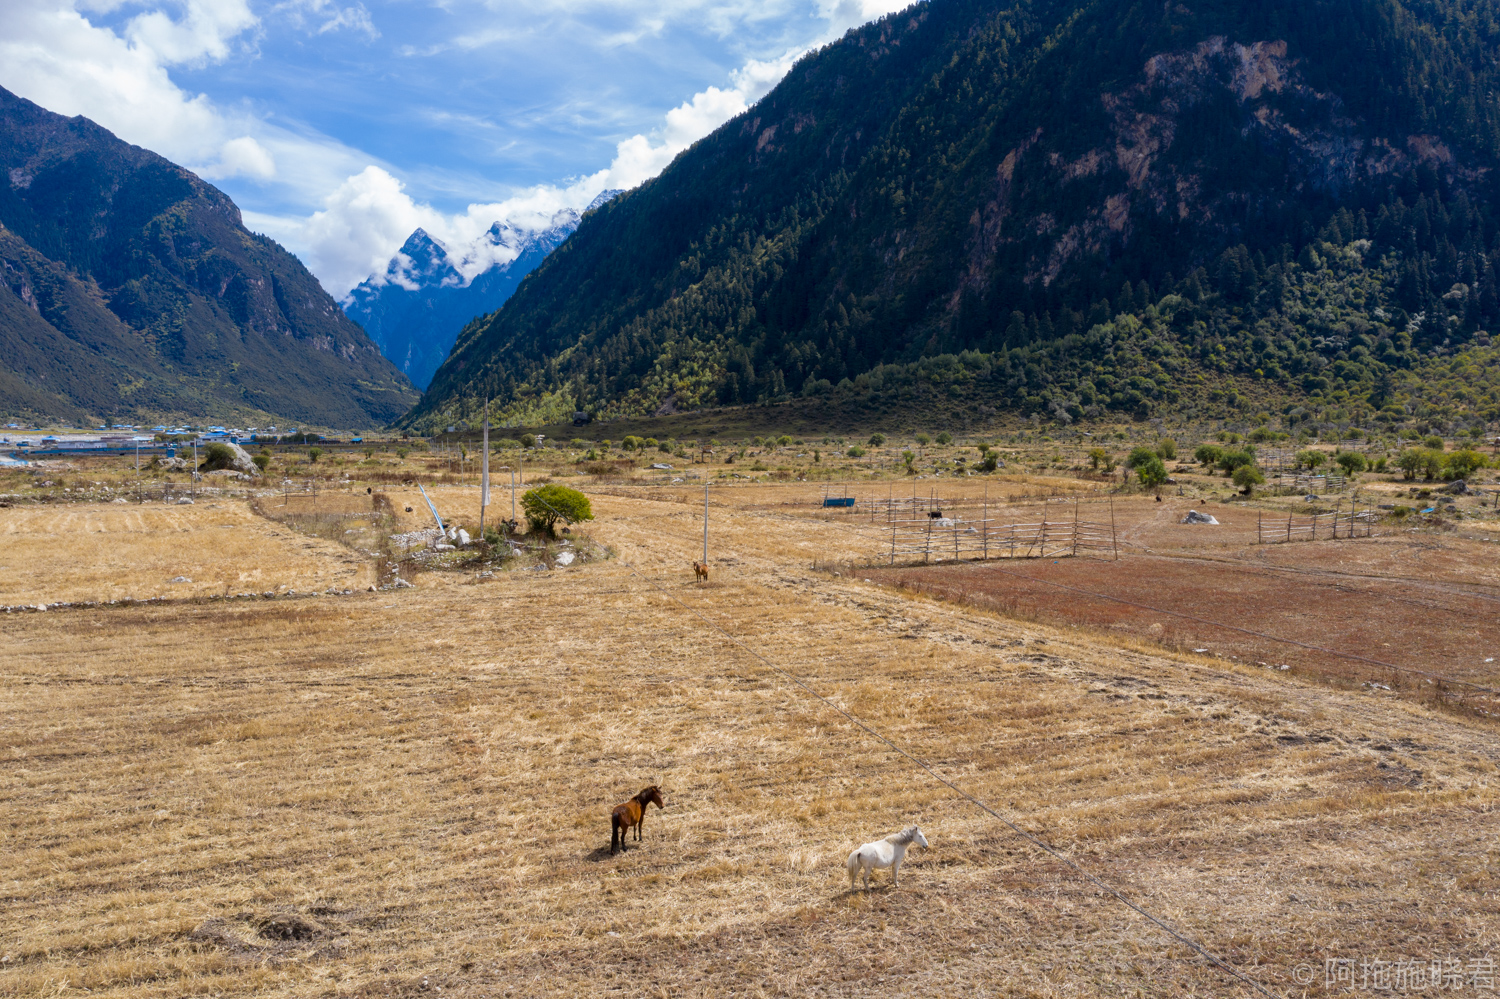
<point x="407" y="792"/>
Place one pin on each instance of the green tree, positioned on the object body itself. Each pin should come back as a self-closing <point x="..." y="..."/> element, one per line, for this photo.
<point x="990" y="463"/>
<point x="1230" y="461"/>
<point x="1140" y="456"/>
<point x="909" y="457"/>
<point x="1247" y="477"/>
<point x="1166" y="449"/>
<point x="1310" y="458"/>
<point x="923" y="440"/>
<point x="1208" y="455"/>
<point x="1434" y="443"/>
<point x="1411" y="461"/>
<point x="314" y="453"/>
<point x="1352" y="462"/>
<point x="631" y="443"/>
<point x="855" y="451"/>
<point x="1097" y="457"/>
<point x="262" y="461"/>
<point x="1152" y="472"/>
<point x="546" y="505"/>
<point x="783" y="441"/>
<point x="945" y="438"/>
<point x="877" y="439"/>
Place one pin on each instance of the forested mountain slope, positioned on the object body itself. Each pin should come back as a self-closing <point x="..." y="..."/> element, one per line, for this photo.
<point x="129" y="287"/>
<point x="1110" y="205"/>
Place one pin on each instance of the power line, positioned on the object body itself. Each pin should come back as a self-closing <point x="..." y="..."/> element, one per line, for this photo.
<point x="1034" y="840"/>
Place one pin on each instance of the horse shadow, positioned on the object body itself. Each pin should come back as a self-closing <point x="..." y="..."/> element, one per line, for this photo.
<point x="601" y="853"/>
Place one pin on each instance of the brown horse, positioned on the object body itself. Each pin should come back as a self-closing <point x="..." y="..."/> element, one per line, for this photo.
<point x="700" y="571"/>
<point x="632" y="813"/>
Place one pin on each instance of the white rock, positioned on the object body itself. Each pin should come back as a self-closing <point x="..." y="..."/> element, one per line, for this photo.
<point x="564" y="558"/>
<point x="463" y="538"/>
<point x="180" y="579"/>
<point x="185" y="501"/>
<point x="1194" y="517"/>
<point x="444" y="548"/>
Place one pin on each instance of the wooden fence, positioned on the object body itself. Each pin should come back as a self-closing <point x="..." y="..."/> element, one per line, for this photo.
<point x="949" y="539"/>
<point x="1331" y="526"/>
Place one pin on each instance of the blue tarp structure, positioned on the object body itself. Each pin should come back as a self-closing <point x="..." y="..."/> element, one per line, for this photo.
<point x="839" y="501"/>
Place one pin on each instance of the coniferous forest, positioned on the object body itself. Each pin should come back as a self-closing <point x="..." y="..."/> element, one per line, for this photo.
<point x="1059" y="208"/>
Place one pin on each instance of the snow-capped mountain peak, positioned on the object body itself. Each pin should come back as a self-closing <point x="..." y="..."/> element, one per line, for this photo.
<point x="429" y="290"/>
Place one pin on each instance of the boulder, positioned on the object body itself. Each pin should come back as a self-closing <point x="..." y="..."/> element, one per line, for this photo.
<point x="241" y="461"/>
<point x="1194" y="517"/>
<point x="1457" y="487"/>
<point x="173" y="464"/>
<point x="463" y="538"/>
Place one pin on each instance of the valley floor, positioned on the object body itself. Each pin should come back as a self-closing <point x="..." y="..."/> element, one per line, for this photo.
<point x="399" y="792"/>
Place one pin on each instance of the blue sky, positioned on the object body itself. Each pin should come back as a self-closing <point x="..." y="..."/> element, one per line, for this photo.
<point x="338" y="126"/>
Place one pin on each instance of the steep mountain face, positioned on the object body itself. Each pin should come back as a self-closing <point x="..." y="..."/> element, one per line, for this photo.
<point x="428" y="293"/>
<point x="1019" y="181"/>
<point x="129" y="286"/>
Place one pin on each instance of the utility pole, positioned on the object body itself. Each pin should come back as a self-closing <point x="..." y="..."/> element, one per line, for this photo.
<point x="705" y="520"/>
<point x="484" y="475"/>
<point x="138" y="471"/>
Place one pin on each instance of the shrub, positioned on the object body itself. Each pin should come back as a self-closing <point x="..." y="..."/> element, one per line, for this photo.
<point x="855" y="452"/>
<point x="945" y="438"/>
<point x="923" y="440"/>
<point x="909" y="457"/>
<point x="1261" y="434"/>
<point x="262" y="461"/>
<point x="783" y="441"/>
<point x="1140" y="456"/>
<point x="1207" y="454"/>
<point x="507" y="444"/>
<point x="667" y="446"/>
<point x="546" y="505"/>
<point x="314" y="453"/>
<point x="1464" y="463"/>
<point x="650" y="442"/>
<point x="1311" y="458"/>
<point x="218" y="456"/>
<point x="877" y="439"/>
<point x="1152" y="471"/>
<point x="1097" y="457"/>
<point x="1247" y="477"/>
<point x="990" y="463"/>
<point x="1434" y="443"/>
<point x="1166" y="449"/>
<point x="402" y="452"/>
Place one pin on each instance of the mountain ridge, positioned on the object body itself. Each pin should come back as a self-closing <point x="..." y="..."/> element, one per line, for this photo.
<point x="134" y="289"/>
<point x="962" y="177"/>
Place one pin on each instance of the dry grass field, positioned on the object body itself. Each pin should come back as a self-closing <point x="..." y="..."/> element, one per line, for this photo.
<point x="407" y="793"/>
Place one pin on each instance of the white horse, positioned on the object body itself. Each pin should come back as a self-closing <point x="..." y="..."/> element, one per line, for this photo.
<point x="888" y="852"/>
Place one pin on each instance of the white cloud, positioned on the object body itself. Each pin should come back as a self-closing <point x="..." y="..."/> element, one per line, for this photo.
<point x="323" y="16"/>
<point x="202" y="34"/>
<point x="242" y="157"/>
<point x="51" y="53"/>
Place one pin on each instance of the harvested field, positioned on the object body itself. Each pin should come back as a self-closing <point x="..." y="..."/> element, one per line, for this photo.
<point x="388" y="794"/>
<point x="117" y="552"/>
